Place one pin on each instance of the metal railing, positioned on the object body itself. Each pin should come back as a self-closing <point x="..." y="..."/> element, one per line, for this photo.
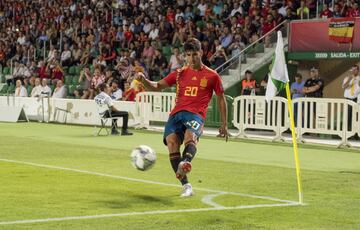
<point x="266" y="41"/>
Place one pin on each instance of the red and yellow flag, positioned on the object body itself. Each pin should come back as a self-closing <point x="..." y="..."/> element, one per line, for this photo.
<point x="341" y="30"/>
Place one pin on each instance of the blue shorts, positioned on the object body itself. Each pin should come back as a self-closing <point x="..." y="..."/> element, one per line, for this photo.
<point x="180" y="122"/>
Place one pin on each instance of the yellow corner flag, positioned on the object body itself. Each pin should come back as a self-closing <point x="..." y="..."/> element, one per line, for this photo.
<point x="278" y="80"/>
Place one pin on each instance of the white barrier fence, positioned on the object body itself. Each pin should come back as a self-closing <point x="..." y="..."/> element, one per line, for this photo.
<point x="78" y="111"/>
<point x="253" y="112"/>
<point x="312" y="115"/>
<point x="154" y="106"/>
<point x="339" y="117"/>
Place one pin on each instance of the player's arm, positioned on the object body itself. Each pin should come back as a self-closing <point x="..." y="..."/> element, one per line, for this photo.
<point x="151" y="85"/>
<point x="224" y="114"/>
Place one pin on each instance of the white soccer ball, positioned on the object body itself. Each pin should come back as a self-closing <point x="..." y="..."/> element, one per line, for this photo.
<point x="143" y="157"/>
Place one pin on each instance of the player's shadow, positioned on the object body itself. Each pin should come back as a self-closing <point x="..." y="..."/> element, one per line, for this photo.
<point x="135" y="199"/>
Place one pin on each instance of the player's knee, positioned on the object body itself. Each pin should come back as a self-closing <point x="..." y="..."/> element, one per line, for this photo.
<point x="172" y="142"/>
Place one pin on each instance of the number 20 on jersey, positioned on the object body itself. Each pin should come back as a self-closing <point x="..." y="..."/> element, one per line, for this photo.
<point x="191" y="91"/>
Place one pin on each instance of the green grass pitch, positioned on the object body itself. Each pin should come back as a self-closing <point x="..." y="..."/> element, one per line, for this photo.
<point x="62" y="177"/>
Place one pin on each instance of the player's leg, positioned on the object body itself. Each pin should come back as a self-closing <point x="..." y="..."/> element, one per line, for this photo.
<point x="173" y="137"/>
<point x="194" y="126"/>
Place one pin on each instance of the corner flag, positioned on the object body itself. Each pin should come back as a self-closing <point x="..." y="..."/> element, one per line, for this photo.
<point x="278" y="76"/>
<point x="279" y="80"/>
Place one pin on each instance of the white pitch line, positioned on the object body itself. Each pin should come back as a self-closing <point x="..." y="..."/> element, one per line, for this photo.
<point x="145" y="181"/>
<point x="208" y="199"/>
<point x="155" y="212"/>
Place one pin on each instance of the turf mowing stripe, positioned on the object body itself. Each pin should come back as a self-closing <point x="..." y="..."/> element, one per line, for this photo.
<point x="146" y="181"/>
<point x="155" y="212"/>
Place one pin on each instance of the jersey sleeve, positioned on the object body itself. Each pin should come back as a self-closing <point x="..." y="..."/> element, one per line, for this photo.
<point x="218" y="86"/>
<point x="171" y="78"/>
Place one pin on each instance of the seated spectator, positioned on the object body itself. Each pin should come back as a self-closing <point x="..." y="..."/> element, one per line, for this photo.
<point x="131" y="90"/>
<point x="76" y="54"/>
<point x="66" y="56"/>
<point x="57" y="72"/>
<point x="326" y="12"/>
<point x="303" y="11"/>
<point x="107" y="109"/>
<point x="248" y="85"/>
<point x="46" y="90"/>
<point x="159" y="65"/>
<point x="43" y="71"/>
<point x="154" y="32"/>
<point x="83" y="91"/>
<point x="52" y="53"/>
<point x="218" y="58"/>
<point x="176" y="60"/>
<point x="226" y="37"/>
<point x="354" y="11"/>
<point x="97" y="80"/>
<point x="148" y="51"/>
<point x="20" y="90"/>
<point x="60" y="90"/>
<point x="116" y="92"/>
<point x="36" y="91"/>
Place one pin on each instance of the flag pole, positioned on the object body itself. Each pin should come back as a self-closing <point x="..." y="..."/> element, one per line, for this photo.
<point x="295" y="147"/>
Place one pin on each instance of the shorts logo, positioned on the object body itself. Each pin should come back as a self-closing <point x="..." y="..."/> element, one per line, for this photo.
<point x="193" y="124"/>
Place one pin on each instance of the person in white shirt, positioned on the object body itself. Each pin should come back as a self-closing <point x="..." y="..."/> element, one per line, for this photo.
<point x="154" y="32"/>
<point x="36" y="91"/>
<point x="202" y="6"/>
<point x="21" y="39"/>
<point x="66" y="56"/>
<point x="52" y="53"/>
<point x="176" y="60"/>
<point x="351" y="84"/>
<point x="106" y="109"/>
<point x="46" y="90"/>
<point x="351" y="90"/>
<point x="60" y="90"/>
<point x="20" y="90"/>
<point x="237" y="9"/>
<point x="116" y="92"/>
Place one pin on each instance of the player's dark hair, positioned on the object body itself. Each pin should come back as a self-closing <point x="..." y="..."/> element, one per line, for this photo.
<point x="192" y="44"/>
<point x="103" y="86"/>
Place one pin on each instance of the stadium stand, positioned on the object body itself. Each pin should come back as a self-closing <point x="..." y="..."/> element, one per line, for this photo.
<point x="57" y="39"/>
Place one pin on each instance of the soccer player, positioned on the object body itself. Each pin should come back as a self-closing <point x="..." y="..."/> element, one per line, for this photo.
<point x="195" y="84"/>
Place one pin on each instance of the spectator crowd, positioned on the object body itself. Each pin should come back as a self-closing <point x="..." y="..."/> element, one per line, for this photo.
<point x="110" y="40"/>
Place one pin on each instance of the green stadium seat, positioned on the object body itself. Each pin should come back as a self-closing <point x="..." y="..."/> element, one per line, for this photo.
<point x="11" y="89"/>
<point x="6" y="70"/>
<point x="2" y="79"/>
<point x="75" y="79"/>
<point x="29" y="89"/>
<point x="66" y="70"/>
<point x="77" y="70"/>
<point x="68" y="80"/>
<point x="52" y="87"/>
<point x="71" y="89"/>
<point x="72" y="70"/>
<point x="166" y="50"/>
<point x="3" y="90"/>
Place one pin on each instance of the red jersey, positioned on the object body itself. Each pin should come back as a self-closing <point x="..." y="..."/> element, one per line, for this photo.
<point x="194" y="89"/>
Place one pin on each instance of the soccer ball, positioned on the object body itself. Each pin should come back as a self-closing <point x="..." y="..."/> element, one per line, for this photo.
<point x="143" y="157"/>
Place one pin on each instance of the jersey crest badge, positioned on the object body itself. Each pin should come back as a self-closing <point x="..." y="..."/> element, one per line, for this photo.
<point x="203" y="82"/>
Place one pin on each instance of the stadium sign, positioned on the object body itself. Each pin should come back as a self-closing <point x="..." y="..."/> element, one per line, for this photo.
<point x="322" y="55"/>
